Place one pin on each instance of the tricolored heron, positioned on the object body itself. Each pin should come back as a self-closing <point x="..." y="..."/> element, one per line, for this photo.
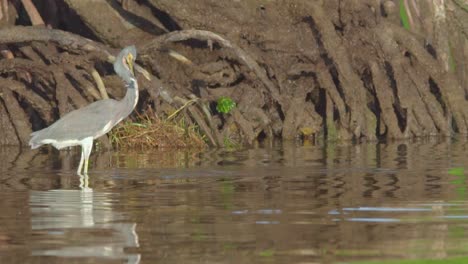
<point x="82" y="126"/>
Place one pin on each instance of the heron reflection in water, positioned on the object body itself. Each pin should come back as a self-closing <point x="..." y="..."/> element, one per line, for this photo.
<point x="82" y="126"/>
<point x="73" y="224"/>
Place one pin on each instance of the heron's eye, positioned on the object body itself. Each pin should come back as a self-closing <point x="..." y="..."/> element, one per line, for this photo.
<point x="124" y="62"/>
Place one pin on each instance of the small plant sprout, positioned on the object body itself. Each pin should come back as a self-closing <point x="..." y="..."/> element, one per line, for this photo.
<point x="225" y="105"/>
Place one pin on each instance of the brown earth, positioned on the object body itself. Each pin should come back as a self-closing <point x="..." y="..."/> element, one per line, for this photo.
<point x="331" y="69"/>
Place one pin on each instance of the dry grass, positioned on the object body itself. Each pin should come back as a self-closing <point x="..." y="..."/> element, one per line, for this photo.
<point x="151" y="132"/>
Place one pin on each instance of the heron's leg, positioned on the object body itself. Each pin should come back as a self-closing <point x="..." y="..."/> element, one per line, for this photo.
<point x="81" y="161"/>
<point x="87" y="144"/>
<point x="84" y="182"/>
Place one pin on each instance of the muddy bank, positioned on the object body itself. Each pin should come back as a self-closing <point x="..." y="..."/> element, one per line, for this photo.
<point x="334" y="70"/>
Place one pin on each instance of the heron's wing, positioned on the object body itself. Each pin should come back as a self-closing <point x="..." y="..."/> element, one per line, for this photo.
<point x="81" y="123"/>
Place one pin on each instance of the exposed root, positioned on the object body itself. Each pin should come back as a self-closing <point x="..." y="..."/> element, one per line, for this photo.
<point x="57" y="79"/>
<point x="383" y="91"/>
<point x="182" y="35"/>
<point x="17" y="117"/>
<point x="64" y="39"/>
<point x="37" y="102"/>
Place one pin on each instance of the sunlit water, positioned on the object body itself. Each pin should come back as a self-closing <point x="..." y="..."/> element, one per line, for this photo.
<point x="283" y="203"/>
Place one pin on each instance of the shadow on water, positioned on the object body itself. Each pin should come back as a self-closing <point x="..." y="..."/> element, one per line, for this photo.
<point x="281" y="203"/>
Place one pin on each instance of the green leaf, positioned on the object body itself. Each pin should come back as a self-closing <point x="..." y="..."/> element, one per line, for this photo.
<point x="404" y="15"/>
<point x="225" y="105"/>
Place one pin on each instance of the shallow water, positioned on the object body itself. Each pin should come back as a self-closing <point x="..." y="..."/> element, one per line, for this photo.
<point x="283" y="203"/>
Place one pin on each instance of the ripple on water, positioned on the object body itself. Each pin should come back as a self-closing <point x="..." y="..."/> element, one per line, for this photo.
<point x="278" y="204"/>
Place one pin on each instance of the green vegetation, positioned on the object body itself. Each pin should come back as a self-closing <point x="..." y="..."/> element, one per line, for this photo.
<point x="404" y="15"/>
<point x="231" y="144"/>
<point x="462" y="4"/>
<point x="460" y="182"/>
<point x="149" y="131"/>
<point x="267" y="253"/>
<point x="457" y="171"/>
<point x="225" y="105"/>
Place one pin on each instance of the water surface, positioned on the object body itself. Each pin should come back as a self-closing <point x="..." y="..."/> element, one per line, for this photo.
<point x="282" y="203"/>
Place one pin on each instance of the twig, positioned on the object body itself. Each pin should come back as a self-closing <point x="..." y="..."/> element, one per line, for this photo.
<point x="174" y="54"/>
<point x="35" y="17"/>
<point x="186" y="104"/>
<point x="100" y="84"/>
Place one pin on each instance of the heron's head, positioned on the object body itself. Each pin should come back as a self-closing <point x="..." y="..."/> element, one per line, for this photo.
<point x="124" y="63"/>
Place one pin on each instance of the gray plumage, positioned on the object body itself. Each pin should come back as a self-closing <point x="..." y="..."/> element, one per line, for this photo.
<point x="82" y="126"/>
<point x="121" y="68"/>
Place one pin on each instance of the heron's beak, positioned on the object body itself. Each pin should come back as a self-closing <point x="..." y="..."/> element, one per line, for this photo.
<point x="130" y="63"/>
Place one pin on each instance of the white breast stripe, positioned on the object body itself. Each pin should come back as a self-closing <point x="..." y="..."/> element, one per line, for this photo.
<point x="107" y="127"/>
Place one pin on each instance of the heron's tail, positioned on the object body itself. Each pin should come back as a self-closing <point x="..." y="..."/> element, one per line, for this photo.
<point x="35" y="140"/>
<point x="34" y="144"/>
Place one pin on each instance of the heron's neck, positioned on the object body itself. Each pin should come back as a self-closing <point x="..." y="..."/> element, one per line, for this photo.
<point x="131" y="97"/>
